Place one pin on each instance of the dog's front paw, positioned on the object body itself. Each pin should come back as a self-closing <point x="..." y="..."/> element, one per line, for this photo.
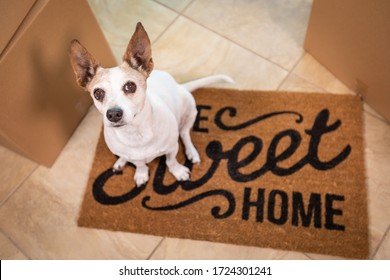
<point x="119" y="165"/>
<point x="193" y="155"/>
<point x="180" y="172"/>
<point x="141" y="178"/>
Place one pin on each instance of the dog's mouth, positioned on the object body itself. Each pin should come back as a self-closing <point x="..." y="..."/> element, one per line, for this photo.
<point x="117" y="124"/>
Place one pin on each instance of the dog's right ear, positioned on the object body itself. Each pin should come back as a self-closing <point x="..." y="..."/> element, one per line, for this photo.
<point x="83" y="63"/>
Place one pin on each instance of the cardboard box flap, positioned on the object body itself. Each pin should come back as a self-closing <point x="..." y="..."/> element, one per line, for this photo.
<point x="12" y="15"/>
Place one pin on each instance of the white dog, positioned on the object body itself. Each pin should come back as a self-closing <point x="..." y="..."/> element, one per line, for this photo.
<point x="144" y="111"/>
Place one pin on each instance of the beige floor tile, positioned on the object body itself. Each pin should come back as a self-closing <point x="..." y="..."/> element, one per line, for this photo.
<point x="296" y="83"/>
<point x="119" y="18"/>
<point x="318" y="78"/>
<point x="377" y="151"/>
<point x="312" y="71"/>
<point x="177" y="5"/>
<point x="188" y="51"/>
<point x="384" y="251"/>
<point x="41" y="216"/>
<point x="8" y="251"/>
<point x="272" y="29"/>
<point x="367" y="108"/>
<point x="324" y="257"/>
<point x="375" y="238"/>
<point x="173" y="248"/>
<point x="14" y="169"/>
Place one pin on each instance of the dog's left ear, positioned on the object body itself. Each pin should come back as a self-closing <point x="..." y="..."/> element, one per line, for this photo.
<point x="139" y="51"/>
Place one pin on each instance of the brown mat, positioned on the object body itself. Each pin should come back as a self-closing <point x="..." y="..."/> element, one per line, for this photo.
<point x="280" y="170"/>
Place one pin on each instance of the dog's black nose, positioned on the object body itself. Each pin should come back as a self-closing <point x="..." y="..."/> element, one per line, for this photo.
<point x="114" y="114"/>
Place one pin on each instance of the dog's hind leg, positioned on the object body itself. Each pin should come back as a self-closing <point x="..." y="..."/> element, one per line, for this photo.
<point x="191" y="152"/>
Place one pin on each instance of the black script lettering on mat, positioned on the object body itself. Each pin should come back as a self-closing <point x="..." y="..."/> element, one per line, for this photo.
<point x="302" y="213"/>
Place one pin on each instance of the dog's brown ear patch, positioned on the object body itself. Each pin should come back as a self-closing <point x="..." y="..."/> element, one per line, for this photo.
<point x="83" y="63"/>
<point x="139" y="51"/>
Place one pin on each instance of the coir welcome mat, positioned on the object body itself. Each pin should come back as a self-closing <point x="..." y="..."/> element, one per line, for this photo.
<point x="281" y="170"/>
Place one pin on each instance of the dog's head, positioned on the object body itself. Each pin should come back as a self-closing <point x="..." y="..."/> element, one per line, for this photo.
<point x="118" y="93"/>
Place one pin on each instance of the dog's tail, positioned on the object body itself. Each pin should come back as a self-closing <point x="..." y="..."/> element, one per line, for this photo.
<point x="202" y="82"/>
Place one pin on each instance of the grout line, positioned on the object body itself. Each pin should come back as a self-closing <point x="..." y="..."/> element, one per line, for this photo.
<point x="155" y="249"/>
<point x="295" y="66"/>
<point x="173" y="21"/>
<point x="5" y="201"/>
<point x="378" y="117"/>
<point x="380" y="243"/>
<point x="164" y="5"/>
<point x="236" y="43"/>
<point x="308" y="256"/>
<point x="313" y="84"/>
<point x="178" y="14"/>
<point x="15" y="245"/>
<point x="165" y="30"/>
<point x="172" y="9"/>
<point x="282" y="82"/>
<point x="186" y="7"/>
<point x="292" y="70"/>
<point x="15" y="189"/>
<point x="310" y="82"/>
<point x="375" y="115"/>
<point x="232" y="41"/>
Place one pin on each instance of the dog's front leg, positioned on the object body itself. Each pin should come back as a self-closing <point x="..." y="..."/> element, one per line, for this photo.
<point x="141" y="175"/>
<point x="180" y="172"/>
<point x="119" y="164"/>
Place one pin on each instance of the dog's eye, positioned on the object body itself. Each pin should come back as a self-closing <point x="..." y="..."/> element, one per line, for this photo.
<point x="129" y="87"/>
<point x="99" y="94"/>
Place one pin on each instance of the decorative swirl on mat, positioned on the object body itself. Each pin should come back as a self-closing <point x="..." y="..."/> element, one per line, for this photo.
<point x="215" y="211"/>
<point x="102" y="197"/>
<point x="233" y="112"/>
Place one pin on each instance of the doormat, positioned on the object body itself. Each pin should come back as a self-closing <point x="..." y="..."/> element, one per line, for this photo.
<point x="280" y="170"/>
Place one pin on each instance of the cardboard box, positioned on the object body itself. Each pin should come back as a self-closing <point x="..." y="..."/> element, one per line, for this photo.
<point x="14" y="12"/>
<point x="41" y="104"/>
<point x="352" y="39"/>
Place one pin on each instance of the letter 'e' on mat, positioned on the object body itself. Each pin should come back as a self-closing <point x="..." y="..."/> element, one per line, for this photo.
<point x="280" y="170"/>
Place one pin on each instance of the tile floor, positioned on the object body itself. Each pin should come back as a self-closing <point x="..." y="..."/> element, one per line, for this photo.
<point x="258" y="43"/>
